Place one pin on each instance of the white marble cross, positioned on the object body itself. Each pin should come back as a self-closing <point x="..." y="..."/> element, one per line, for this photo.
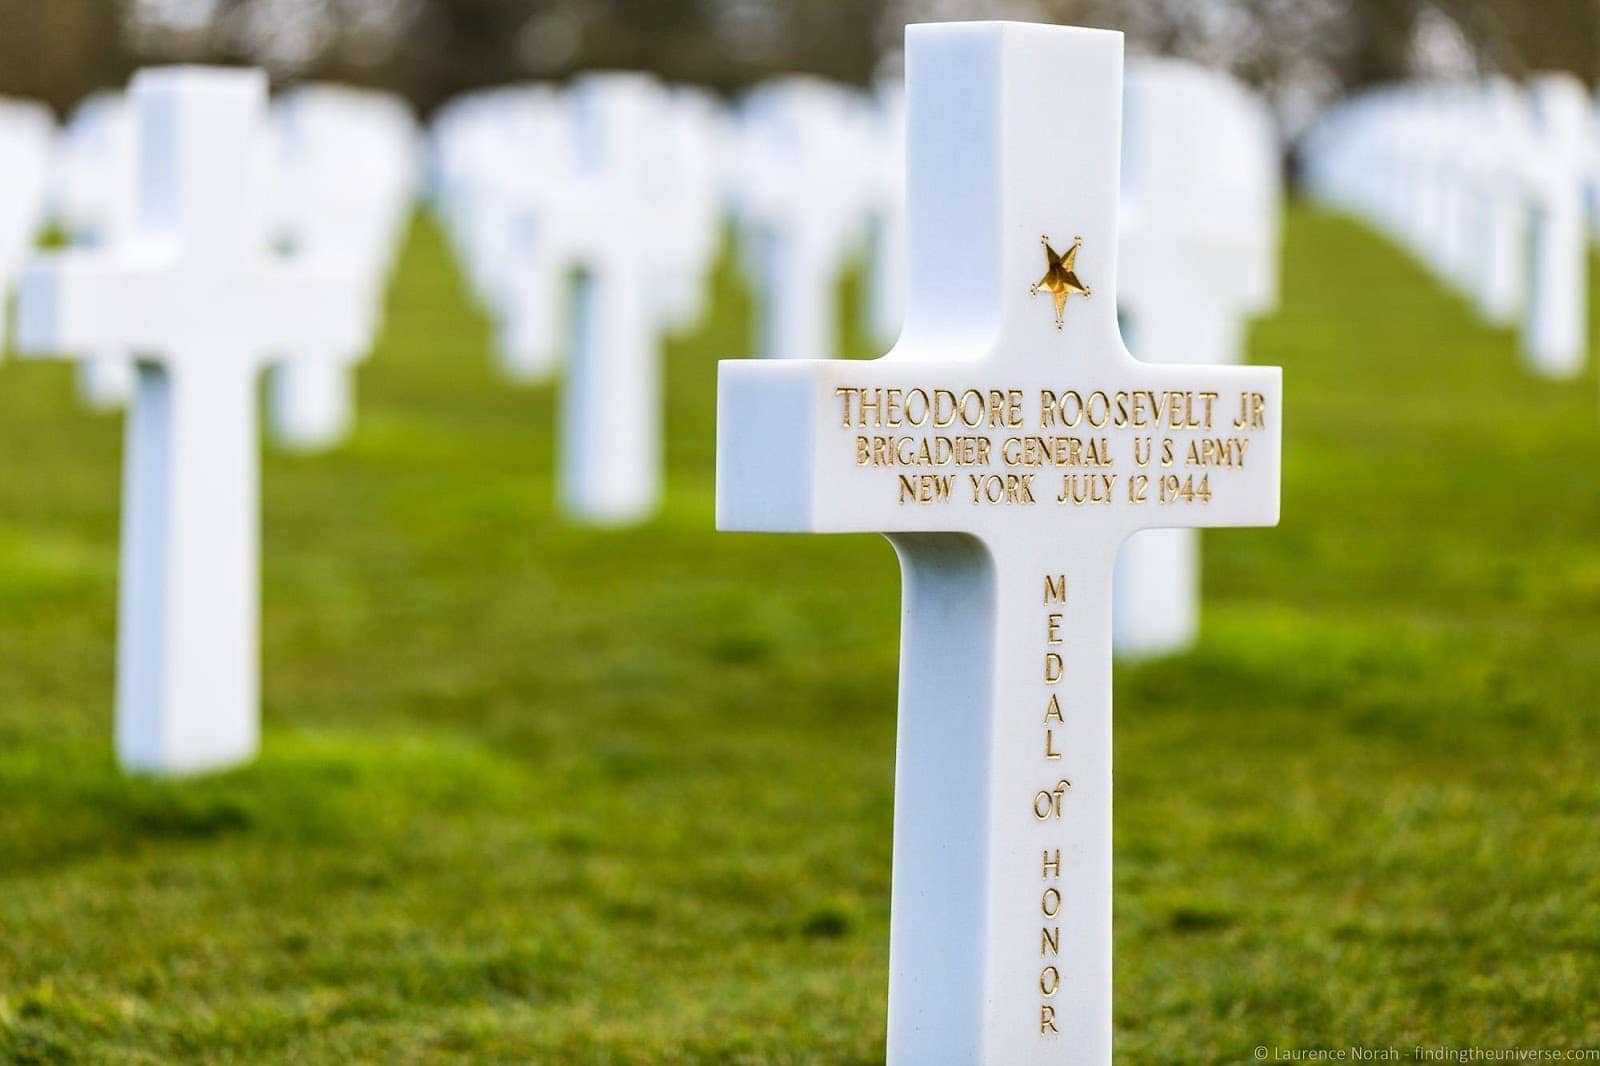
<point x="1198" y="259"/>
<point x="800" y="192"/>
<point x="96" y="184"/>
<point x="26" y="135"/>
<point x="192" y="295"/>
<point x="1555" y="331"/>
<point x="694" y="135"/>
<point x="886" y="280"/>
<point x="509" y="162"/>
<point x="1007" y="445"/>
<point x="344" y="183"/>
<point x="589" y="185"/>
<point x="1498" y="150"/>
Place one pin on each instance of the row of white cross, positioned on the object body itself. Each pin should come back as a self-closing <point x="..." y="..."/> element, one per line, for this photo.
<point x="809" y="175"/>
<point x="210" y="242"/>
<point x="1488" y="184"/>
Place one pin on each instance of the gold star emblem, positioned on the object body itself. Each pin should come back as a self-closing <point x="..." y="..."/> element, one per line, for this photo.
<point x="1061" y="277"/>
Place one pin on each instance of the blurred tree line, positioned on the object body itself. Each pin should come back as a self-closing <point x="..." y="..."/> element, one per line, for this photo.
<point x="1300" y="51"/>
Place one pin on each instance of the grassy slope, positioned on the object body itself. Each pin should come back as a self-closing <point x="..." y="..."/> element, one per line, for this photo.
<point x="534" y="793"/>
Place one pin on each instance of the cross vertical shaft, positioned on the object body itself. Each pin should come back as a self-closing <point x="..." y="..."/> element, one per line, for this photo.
<point x="190" y="569"/>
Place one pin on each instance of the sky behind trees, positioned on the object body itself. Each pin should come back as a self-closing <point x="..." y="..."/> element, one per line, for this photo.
<point x="1299" y="51"/>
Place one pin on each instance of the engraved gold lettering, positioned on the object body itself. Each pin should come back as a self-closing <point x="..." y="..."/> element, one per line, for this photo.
<point x="1052" y="711"/>
<point x="871" y="411"/>
<point x="845" y="393"/>
<point x="1055" y="588"/>
<point x="1101" y="420"/>
<point x="1218" y="451"/>
<point x="1185" y="489"/>
<point x="1047" y="1020"/>
<point x="912" y="397"/>
<point x="1005" y="408"/>
<point x="1082" y="489"/>
<point x="1055" y="451"/>
<point x="1047" y="802"/>
<point x="1049" y="980"/>
<point x="1252" y="411"/>
<point x="1006" y="488"/>
<point x="969" y="399"/>
<point x="926" y="488"/>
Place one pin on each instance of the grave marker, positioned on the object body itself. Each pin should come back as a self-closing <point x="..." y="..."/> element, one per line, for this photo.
<point x="192" y="295"/>
<point x="26" y="135"/>
<point x="610" y="448"/>
<point x="1006" y="459"/>
<point x="1556" y="323"/>
<point x="886" y="280"/>
<point x="96" y="185"/>
<point x="800" y="193"/>
<point x="1498" y="150"/>
<point x="343" y="187"/>
<point x="1198" y="256"/>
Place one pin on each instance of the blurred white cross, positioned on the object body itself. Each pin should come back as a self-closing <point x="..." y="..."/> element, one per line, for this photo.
<point x="191" y="294"/>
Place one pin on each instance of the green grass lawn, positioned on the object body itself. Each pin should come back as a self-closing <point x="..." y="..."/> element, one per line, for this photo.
<point x="535" y="793"/>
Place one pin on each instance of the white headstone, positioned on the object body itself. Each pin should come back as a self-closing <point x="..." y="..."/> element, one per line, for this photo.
<point x="1499" y="149"/>
<point x="886" y="280"/>
<point x="27" y="132"/>
<point x="610" y="462"/>
<point x="799" y="191"/>
<point x="519" y="229"/>
<point x="344" y="185"/>
<point x="1007" y="445"/>
<point x="95" y="206"/>
<point x="1198" y="259"/>
<point x="694" y="140"/>
<point x="192" y="294"/>
<point x="1556" y="326"/>
<point x="588" y="222"/>
<point x="466" y="140"/>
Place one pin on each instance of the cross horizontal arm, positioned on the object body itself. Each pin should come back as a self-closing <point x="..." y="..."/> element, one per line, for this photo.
<point x="891" y="446"/>
<point x="80" y="301"/>
<point x="147" y="302"/>
<point x="305" y="310"/>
